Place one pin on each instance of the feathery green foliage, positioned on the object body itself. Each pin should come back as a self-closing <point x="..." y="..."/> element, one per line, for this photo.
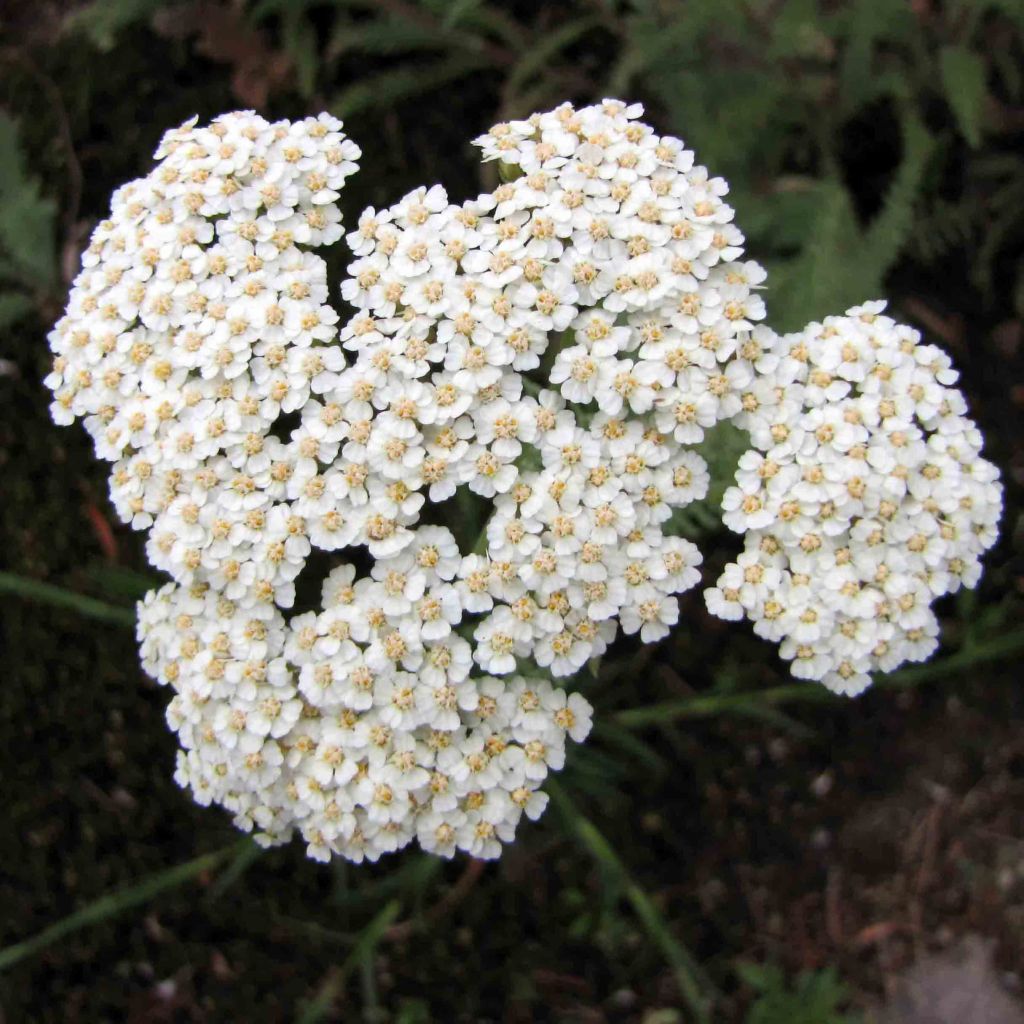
<point x="817" y="997"/>
<point x="27" y="255"/>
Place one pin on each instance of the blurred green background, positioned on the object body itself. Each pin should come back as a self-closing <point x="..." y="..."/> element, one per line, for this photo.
<point x="727" y="846"/>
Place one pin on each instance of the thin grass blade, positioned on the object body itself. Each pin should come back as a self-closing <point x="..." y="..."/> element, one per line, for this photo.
<point x="116" y="903"/>
<point x="48" y="593"/>
<point x="247" y="855"/>
<point x="694" y="988"/>
<point x="361" y="952"/>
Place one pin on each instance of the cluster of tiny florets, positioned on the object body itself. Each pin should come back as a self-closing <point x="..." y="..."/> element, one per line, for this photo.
<point x="551" y="347"/>
<point x="863" y="499"/>
<point x="544" y="357"/>
<point x="199" y="316"/>
<point x="308" y="725"/>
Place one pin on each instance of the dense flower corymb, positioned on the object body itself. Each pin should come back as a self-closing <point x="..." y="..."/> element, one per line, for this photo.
<point x="553" y="348"/>
<point x="289" y="731"/>
<point x="863" y="499"/>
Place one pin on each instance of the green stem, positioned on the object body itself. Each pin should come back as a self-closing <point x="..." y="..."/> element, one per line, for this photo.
<point x="480" y="544"/>
<point x="361" y="955"/>
<point x="694" y="988"/>
<point x="749" y="703"/>
<point x="993" y="649"/>
<point x="116" y="903"/>
<point x="47" y="593"/>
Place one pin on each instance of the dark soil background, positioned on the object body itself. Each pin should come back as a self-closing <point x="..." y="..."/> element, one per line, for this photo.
<point x="874" y="148"/>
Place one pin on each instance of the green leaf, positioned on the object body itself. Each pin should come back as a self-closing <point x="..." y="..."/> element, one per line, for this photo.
<point x="413" y="1011"/>
<point x="389" y="36"/>
<point x="866" y="22"/>
<point x="712" y="705"/>
<point x="842" y="264"/>
<point x="120" y="582"/>
<point x="459" y="9"/>
<point x="266" y="8"/>
<point x="614" y="735"/>
<point x="1013" y="9"/>
<point x="541" y="53"/>
<point x="117" y="903"/>
<point x="409" y="882"/>
<point x="299" y="39"/>
<point x="247" y="855"/>
<point x="889" y="231"/>
<point x="963" y="79"/>
<point x="826" y="277"/>
<point x="797" y="31"/>
<point x="996" y="648"/>
<point x="758" y="976"/>
<point x="817" y="997"/>
<point x="26" y="216"/>
<point x="709" y="705"/>
<point x="966" y="14"/>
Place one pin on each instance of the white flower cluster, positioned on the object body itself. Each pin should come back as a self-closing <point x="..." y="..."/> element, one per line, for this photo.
<point x="863" y="499"/>
<point x="607" y="271"/>
<point x="552" y="348"/>
<point x="197" y="319"/>
<point x="308" y="726"/>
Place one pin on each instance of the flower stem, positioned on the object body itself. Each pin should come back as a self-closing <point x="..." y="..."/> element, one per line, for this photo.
<point x="47" y="593"/>
<point x="694" y="988"/>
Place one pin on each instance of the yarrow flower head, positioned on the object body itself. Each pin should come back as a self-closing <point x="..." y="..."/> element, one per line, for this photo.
<point x="547" y="354"/>
<point x="863" y="499"/>
<point x="550" y="347"/>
